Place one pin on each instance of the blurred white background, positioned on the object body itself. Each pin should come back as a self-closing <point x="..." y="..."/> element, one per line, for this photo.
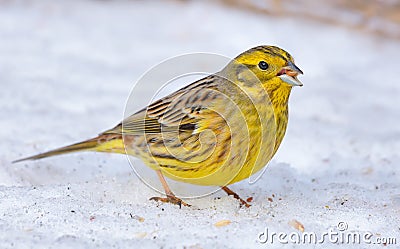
<point x="67" y="68"/>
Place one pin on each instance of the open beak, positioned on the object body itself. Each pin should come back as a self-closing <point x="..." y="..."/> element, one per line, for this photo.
<point x="289" y="74"/>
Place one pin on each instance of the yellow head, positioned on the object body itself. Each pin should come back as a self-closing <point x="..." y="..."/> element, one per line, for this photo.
<point x="270" y="65"/>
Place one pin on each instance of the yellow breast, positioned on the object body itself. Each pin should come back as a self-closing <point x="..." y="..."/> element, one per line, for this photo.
<point x="239" y="140"/>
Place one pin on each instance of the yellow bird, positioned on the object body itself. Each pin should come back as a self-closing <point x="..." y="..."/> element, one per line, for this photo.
<point x="216" y="131"/>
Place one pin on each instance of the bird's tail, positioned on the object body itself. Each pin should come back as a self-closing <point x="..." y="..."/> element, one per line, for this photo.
<point x="102" y="143"/>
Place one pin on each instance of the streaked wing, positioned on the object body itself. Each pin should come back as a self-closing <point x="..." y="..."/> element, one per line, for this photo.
<point x="182" y="110"/>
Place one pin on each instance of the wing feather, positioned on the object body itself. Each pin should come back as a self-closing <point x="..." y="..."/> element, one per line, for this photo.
<point x="180" y="110"/>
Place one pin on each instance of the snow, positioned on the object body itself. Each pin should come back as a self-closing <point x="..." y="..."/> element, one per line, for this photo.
<point x="67" y="67"/>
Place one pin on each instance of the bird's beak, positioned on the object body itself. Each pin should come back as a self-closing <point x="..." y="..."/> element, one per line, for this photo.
<point x="289" y="74"/>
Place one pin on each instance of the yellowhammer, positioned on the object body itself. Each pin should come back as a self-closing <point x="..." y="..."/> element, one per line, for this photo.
<point x="216" y="131"/>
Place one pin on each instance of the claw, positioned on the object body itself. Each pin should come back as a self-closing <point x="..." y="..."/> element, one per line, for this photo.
<point x="171" y="199"/>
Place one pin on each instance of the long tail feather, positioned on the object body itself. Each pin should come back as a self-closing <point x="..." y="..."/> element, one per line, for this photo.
<point x="82" y="146"/>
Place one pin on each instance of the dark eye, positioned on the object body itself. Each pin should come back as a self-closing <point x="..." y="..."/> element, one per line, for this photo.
<point x="263" y="65"/>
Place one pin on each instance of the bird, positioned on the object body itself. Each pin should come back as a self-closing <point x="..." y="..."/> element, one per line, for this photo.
<point x="216" y="131"/>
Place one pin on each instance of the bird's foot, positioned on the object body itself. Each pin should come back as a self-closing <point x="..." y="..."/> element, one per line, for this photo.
<point x="236" y="196"/>
<point x="171" y="199"/>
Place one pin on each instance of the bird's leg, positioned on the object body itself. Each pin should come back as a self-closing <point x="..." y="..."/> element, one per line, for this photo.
<point x="236" y="196"/>
<point x="171" y="198"/>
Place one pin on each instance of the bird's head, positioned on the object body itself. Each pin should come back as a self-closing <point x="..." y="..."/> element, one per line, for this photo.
<point x="268" y="64"/>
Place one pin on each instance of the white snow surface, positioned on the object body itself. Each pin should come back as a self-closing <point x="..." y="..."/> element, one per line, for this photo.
<point x="66" y="71"/>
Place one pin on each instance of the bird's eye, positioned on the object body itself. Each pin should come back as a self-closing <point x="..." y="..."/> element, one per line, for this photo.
<point x="263" y="65"/>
